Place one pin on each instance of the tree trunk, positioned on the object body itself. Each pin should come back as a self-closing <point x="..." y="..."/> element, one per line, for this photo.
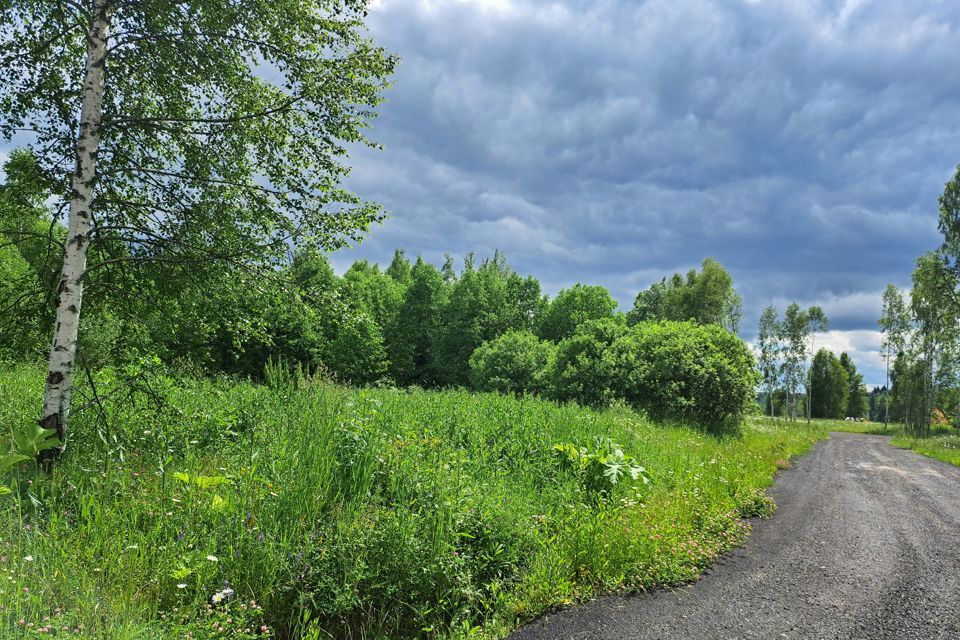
<point x="813" y="346"/>
<point x="63" y="351"/>
<point x="931" y="393"/>
<point x="906" y="413"/>
<point x="886" y="396"/>
<point x="770" y="400"/>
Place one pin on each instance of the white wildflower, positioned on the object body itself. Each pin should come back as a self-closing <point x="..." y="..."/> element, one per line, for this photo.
<point x="220" y="596"/>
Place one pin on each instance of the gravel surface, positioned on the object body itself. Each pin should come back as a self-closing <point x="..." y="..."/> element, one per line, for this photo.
<point x="865" y="544"/>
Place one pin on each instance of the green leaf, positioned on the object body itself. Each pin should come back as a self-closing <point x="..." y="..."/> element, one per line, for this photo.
<point x="613" y="471"/>
<point x="181" y="573"/>
<point x="10" y="460"/>
<point x="202" y="482"/>
<point x="30" y="439"/>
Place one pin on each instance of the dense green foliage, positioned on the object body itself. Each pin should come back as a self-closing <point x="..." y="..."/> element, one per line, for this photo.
<point x="707" y="297"/>
<point x="856" y="405"/>
<point x="687" y="372"/>
<point x="831" y="385"/>
<point x="572" y="308"/>
<point x="371" y="513"/>
<point x="484" y="327"/>
<point x="27" y="263"/>
<point x="583" y="370"/>
<point x="921" y="339"/>
<point x="239" y="163"/>
<point x="678" y="371"/>
<point x="516" y="362"/>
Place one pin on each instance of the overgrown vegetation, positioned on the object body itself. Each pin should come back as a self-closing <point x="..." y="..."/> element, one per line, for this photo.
<point x="302" y="509"/>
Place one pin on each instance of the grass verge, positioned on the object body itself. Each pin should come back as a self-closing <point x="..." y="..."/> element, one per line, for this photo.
<point x="221" y="509"/>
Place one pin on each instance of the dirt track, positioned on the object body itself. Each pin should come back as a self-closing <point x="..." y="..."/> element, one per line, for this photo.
<point x="865" y="545"/>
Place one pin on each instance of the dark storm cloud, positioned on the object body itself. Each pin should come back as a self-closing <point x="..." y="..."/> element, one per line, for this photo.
<point x="803" y="144"/>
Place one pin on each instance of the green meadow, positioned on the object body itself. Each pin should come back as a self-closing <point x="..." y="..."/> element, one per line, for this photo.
<point x="190" y="507"/>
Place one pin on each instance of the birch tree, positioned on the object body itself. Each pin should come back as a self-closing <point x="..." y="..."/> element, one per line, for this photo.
<point x="794" y="331"/>
<point x="894" y="327"/>
<point x="185" y="131"/>
<point x="949" y="219"/>
<point x="768" y="346"/>
<point x="934" y="305"/>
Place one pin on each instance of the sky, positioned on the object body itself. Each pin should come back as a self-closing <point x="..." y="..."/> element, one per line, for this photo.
<point x="802" y="143"/>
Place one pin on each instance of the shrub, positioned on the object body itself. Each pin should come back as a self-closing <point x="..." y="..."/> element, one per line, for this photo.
<point x="583" y="370"/>
<point x="684" y="371"/>
<point x="515" y="362"/>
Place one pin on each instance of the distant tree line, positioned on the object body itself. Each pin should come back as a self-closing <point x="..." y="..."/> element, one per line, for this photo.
<point x="482" y="326"/>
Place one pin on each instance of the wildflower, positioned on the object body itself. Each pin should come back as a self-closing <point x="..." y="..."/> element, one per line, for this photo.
<point x="182" y="585"/>
<point x="28" y="558"/>
<point x="220" y="596"/>
<point x="213" y="558"/>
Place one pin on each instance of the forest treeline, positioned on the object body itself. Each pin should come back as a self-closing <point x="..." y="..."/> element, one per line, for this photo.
<point x="921" y="332"/>
<point x="482" y="326"/>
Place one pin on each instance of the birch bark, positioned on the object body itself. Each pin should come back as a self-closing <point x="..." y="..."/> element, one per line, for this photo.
<point x="63" y="350"/>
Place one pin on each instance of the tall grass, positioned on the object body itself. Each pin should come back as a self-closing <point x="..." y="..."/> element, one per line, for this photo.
<point x="220" y="509"/>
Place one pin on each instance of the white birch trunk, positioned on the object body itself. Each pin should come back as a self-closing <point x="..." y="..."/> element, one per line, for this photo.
<point x="886" y="397"/>
<point x="63" y="351"/>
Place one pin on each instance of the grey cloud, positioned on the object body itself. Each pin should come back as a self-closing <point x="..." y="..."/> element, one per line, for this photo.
<point x="803" y="144"/>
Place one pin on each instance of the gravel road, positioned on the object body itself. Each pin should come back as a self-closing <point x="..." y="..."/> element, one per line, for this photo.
<point x="865" y="544"/>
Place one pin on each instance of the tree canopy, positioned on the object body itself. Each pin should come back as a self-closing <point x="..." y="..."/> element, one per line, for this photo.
<point x="705" y="297"/>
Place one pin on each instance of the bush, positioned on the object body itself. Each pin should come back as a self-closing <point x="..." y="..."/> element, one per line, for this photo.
<point x="516" y="362"/>
<point x="583" y="371"/>
<point x="684" y="371"/>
